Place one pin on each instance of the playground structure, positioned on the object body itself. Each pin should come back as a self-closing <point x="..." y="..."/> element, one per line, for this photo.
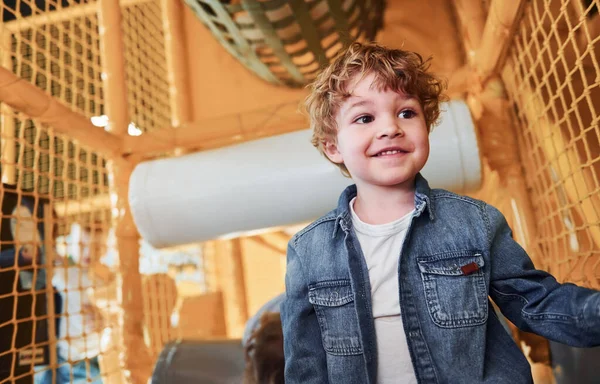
<point x="90" y="89"/>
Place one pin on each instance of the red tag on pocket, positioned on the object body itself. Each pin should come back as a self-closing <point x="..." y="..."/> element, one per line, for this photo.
<point x="469" y="268"/>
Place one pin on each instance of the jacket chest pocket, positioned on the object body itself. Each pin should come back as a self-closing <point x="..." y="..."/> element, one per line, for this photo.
<point x="455" y="289"/>
<point x="334" y="305"/>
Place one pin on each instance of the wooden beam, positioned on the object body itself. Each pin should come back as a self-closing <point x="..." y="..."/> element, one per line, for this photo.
<point x="60" y="15"/>
<point x="8" y="128"/>
<point x="498" y="31"/>
<point x="84" y="205"/>
<point x="219" y="132"/>
<point x="175" y="54"/>
<point x="135" y="355"/>
<point x="30" y="100"/>
<point x="49" y="247"/>
<point x="263" y="240"/>
<point x="497" y="134"/>
<point x="231" y="280"/>
<point x="472" y="21"/>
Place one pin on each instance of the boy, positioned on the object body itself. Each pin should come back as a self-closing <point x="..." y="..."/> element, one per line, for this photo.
<point x="393" y="285"/>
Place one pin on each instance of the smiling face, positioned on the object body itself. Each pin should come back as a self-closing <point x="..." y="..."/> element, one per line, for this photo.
<point x="382" y="136"/>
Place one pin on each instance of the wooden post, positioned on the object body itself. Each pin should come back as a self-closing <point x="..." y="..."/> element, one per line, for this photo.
<point x="211" y="270"/>
<point x="8" y="144"/>
<point x="34" y="102"/>
<point x="49" y="254"/>
<point x="491" y="108"/>
<point x="136" y="357"/>
<point x="218" y="132"/>
<point x="472" y="21"/>
<point x="230" y="271"/>
<point x="497" y="34"/>
<point x="56" y="17"/>
<point x="180" y="97"/>
<point x="237" y="271"/>
<point x="499" y="144"/>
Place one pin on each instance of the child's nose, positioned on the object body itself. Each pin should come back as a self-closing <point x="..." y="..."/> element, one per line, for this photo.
<point x="390" y="129"/>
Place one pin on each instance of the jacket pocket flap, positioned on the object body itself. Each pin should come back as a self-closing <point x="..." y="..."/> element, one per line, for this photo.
<point x="330" y="293"/>
<point x="457" y="265"/>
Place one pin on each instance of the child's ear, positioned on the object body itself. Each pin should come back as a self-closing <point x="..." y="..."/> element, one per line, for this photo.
<point x="331" y="151"/>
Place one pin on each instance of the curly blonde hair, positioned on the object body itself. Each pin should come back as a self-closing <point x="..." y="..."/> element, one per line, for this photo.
<point x="394" y="69"/>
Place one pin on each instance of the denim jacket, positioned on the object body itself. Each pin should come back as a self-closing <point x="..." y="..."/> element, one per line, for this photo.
<point x="458" y="253"/>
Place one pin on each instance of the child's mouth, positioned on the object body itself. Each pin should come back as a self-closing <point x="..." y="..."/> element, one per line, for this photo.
<point x="390" y="153"/>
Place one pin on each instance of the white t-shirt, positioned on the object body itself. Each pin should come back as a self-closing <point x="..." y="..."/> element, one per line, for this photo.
<point x="80" y="326"/>
<point x="381" y="246"/>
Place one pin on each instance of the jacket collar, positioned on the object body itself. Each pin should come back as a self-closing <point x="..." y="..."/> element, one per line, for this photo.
<point x="422" y="202"/>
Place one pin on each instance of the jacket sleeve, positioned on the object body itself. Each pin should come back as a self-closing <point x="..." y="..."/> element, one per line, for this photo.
<point x="532" y="299"/>
<point x="305" y="360"/>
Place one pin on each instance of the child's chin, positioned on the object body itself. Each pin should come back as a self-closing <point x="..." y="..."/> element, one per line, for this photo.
<point x="399" y="179"/>
<point x="395" y="182"/>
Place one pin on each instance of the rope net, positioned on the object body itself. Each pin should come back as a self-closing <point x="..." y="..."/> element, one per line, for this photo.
<point x="552" y="77"/>
<point x="60" y="304"/>
<point x="58" y="264"/>
<point x="146" y="67"/>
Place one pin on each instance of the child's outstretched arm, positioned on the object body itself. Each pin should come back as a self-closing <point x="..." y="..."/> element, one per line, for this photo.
<point x="532" y="299"/>
<point x="305" y="360"/>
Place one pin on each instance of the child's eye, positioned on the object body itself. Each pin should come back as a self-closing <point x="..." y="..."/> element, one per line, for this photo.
<point x="407" y="114"/>
<point x="364" y="119"/>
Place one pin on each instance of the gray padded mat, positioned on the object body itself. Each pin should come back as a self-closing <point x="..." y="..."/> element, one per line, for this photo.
<point x="200" y="362"/>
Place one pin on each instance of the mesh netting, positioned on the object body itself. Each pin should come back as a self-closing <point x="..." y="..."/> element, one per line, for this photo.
<point x="59" y="265"/>
<point x="55" y="220"/>
<point x="61" y="58"/>
<point x="55" y="229"/>
<point x="552" y="77"/>
<point x="147" y="84"/>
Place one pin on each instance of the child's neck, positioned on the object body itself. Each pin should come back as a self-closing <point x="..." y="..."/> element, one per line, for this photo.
<point x="380" y="205"/>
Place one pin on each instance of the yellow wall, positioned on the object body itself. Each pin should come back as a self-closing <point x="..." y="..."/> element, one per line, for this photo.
<point x="219" y="84"/>
<point x="426" y="27"/>
<point x="264" y="271"/>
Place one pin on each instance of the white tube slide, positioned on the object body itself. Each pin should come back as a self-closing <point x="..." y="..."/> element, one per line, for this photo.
<point x="272" y="182"/>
